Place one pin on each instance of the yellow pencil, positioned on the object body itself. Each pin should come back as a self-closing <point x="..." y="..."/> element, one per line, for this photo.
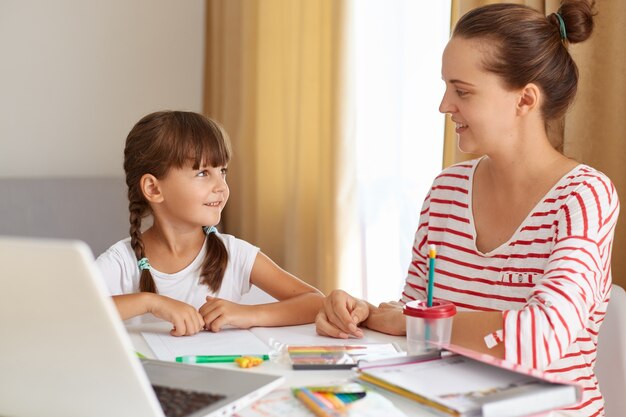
<point x="336" y="402"/>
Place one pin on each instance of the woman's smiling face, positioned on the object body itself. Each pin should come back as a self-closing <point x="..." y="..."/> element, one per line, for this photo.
<point x="483" y="109"/>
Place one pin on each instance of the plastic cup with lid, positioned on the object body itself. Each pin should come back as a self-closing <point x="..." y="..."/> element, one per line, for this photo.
<point x="428" y="328"/>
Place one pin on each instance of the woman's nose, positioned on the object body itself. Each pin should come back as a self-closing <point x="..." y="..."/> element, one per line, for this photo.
<point x="444" y="106"/>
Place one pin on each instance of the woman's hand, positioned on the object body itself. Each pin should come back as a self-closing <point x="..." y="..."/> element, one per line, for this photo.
<point x="184" y="317"/>
<point x="341" y="315"/>
<point x="217" y="313"/>
<point x="387" y="318"/>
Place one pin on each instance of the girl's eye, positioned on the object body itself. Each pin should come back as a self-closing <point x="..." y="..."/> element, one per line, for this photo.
<point x="461" y="93"/>
<point x="224" y="171"/>
<point x="203" y="173"/>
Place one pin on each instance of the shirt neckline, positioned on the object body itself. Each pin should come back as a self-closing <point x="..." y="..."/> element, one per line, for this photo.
<point x="192" y="264"/>
<point x="505" y="244"/>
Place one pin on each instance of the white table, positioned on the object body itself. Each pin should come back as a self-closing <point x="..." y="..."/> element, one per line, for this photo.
<point x="290" y="335"/>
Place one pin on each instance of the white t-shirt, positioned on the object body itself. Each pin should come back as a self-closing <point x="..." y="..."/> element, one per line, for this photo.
<point x="121" y="274"/>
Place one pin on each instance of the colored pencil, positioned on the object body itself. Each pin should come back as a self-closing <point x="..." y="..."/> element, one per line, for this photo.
<point x="432" y="255"/>
<point x="314" y="404"/>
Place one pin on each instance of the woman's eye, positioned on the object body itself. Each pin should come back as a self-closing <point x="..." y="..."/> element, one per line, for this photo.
<point x="461" y="93"/>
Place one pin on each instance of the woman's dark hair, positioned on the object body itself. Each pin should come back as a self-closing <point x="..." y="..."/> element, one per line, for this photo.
<point x="530" y="47"/>
<point x="173" y="139"/>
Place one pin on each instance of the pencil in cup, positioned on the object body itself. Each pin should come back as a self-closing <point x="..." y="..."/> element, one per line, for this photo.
<point x="432" y="255"/>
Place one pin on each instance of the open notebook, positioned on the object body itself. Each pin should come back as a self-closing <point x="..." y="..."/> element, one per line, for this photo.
<point x="66" y="353"/>
<point x="462" y="383"/>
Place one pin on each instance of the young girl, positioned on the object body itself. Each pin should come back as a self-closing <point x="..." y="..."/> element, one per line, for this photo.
<point x="181" y="269"/>
<point x="523" y="234"/>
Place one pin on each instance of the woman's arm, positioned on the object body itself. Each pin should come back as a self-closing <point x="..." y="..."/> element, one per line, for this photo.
<point x="470" y="328"/>
<point x="565" y="303"/>
<point x="298" y="302"/>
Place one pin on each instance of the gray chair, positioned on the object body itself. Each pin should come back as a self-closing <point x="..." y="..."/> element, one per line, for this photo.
<point x="610" y="365"/>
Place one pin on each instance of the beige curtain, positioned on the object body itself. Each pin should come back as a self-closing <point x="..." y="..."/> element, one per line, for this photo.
<point x="274" y="80"/>
<point x="593" y="131"/>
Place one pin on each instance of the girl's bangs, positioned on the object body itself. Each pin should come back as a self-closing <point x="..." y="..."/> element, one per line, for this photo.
<point x="202" y="144"/>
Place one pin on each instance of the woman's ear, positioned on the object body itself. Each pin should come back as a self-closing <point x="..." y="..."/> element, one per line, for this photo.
<point x="529" y="99"/>
<point x="150" y="188"/>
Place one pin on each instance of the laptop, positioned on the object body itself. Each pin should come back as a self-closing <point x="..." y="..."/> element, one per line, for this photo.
<point x="64" y="350"/>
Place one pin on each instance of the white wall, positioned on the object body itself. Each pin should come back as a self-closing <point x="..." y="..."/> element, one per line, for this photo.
<point x="75" y="75"/>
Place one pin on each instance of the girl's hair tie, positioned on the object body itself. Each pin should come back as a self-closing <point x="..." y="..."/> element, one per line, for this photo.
<point x="209" y="229"/>
<point x="143" y="264"/>
<point x="562" y="30"/>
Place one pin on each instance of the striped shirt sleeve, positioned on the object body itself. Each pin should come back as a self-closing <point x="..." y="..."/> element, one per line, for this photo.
<point x="575" y="281"/>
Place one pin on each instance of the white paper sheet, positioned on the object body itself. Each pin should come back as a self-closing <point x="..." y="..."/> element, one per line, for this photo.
<point x="225" y="342"/>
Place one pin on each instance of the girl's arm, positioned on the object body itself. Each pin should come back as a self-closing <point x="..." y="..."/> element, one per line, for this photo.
<point x="185" y="318"/>
<point x="132" y="305"/>
<point x="298" y="302"/>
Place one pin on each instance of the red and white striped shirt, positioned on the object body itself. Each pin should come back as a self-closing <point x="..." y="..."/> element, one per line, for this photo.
<point x="551" y="280"/>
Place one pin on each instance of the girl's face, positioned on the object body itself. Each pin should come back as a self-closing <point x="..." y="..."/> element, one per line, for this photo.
<point x="194" y="197"/>
<point x="478" y="102"/>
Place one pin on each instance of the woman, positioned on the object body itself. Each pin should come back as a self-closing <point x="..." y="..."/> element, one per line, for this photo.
<point x="523" y="234"/>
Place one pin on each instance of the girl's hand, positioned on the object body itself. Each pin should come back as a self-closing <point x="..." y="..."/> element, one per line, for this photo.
<point x="185" y="318"/>
<point x="218" y="313"/>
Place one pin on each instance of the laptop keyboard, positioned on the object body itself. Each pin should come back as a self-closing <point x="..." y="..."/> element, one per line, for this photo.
<point x="179" y="402"/>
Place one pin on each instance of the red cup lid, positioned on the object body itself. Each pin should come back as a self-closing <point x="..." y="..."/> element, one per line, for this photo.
<point x="439" y="310"/>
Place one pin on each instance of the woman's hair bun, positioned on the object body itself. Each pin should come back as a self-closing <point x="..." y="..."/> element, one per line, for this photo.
<point x="578" y="17"/>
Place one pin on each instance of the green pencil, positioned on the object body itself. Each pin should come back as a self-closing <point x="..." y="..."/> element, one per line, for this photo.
<point x="215" y="358"/>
